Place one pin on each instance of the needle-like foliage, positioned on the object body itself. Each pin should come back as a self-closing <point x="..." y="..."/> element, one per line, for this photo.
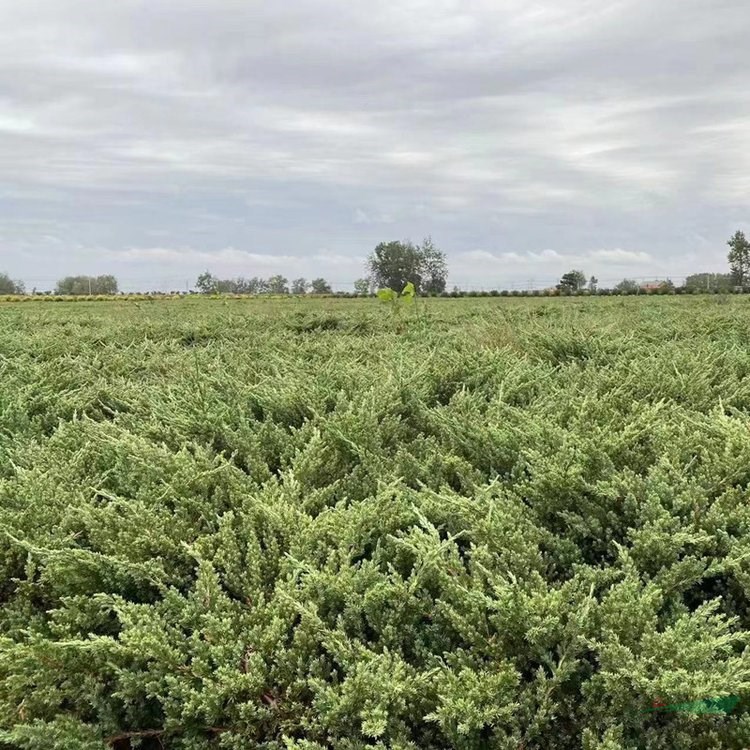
<point x="504" y="524"/>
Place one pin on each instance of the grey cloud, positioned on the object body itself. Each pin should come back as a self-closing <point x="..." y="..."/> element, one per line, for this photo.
<point x="278" y="130"/>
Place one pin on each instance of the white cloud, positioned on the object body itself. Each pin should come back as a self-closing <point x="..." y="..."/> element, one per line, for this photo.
<point x="619" y="256"/>
<point x="225" y="256"/>
<point x="367" y="217"/>
<point x="283" y="129"/>
<point x="544" y="267"/>
<point x="480" y="255"/>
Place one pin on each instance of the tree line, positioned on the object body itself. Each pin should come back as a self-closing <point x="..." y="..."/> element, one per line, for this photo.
<point x="738" y="278"/>
<point x="70" y="285"/>
<point x="576" y="282"/>
<point x="207" y="283"/>
<point x="392" y="265"/>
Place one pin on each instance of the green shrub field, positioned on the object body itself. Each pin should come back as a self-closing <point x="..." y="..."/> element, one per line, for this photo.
<point x="328" y="524"/>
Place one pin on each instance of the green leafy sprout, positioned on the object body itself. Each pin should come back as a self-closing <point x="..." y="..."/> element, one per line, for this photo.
<point x="398" y="301"/>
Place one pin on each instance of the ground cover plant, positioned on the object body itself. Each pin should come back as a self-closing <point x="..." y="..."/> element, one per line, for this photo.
<point x="310" y="524"/>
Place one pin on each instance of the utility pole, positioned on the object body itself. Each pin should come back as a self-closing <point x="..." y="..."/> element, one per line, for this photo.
<point x="89" y="286"/>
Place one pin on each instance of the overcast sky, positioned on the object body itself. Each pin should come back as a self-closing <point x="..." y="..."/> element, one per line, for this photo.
<point x="155" y="139"/>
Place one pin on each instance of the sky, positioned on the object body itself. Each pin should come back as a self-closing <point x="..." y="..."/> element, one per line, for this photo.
<point x="156" y="139"/>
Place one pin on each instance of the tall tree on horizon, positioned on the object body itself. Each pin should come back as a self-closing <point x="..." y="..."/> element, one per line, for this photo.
<point x="10" y="286"/>
<point x="76" y="285"/>
<point x="739" y="258"/>
<point x="394" y="264"/>
<point x="362" y="286"/>
<point x="278" y="285"/>
<point x="434" y="267"/>
<point x="572" y="281"/>
<point x="320" y="286"/>
<point x="299" y="286"/>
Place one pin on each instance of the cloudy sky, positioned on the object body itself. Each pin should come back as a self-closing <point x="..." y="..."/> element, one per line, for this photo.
<point x="154" y="139"/>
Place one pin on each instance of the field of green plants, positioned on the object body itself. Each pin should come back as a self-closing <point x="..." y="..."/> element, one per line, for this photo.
<point x="338" y="524"/>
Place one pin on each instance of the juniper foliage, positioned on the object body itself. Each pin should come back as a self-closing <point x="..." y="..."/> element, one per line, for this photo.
<point x="510" y="524"/>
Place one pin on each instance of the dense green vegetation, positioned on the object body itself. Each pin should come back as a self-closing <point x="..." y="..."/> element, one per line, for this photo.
<point x="492" y="523"/>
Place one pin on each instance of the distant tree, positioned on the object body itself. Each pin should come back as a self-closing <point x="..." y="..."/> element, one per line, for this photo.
<point x="9" y="286"/>
<point x="277" y="285"/>
<point x="434" y="267"/>
<point x="320" y="286"/>
<point x="249" y="286"/>
<point x="241" y="285"/>
<point x="572" y="281"/>
<point x="77" y="285"/>
<point x="627" y="286"/>
<point x="709" y="282"/>
<point x="207" y="283"/>
<point x="593" y="284"/>
<point x="393" y="264"/>
<point x="362" y="286"/>
<point x="299" y="286"/>
<point x="106" y="284"/>
<point x="204" y="282"/>
<point x="210" y="284"/>
<point x="666" y="286"/>
<point x="739" y="258"/>
<point x="65" y="286"/>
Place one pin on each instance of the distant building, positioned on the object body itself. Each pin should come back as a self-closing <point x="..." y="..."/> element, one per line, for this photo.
<point x="649" y="286"/>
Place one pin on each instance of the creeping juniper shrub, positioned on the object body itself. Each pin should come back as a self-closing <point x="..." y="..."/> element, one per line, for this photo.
<point x="228" y="524"/>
